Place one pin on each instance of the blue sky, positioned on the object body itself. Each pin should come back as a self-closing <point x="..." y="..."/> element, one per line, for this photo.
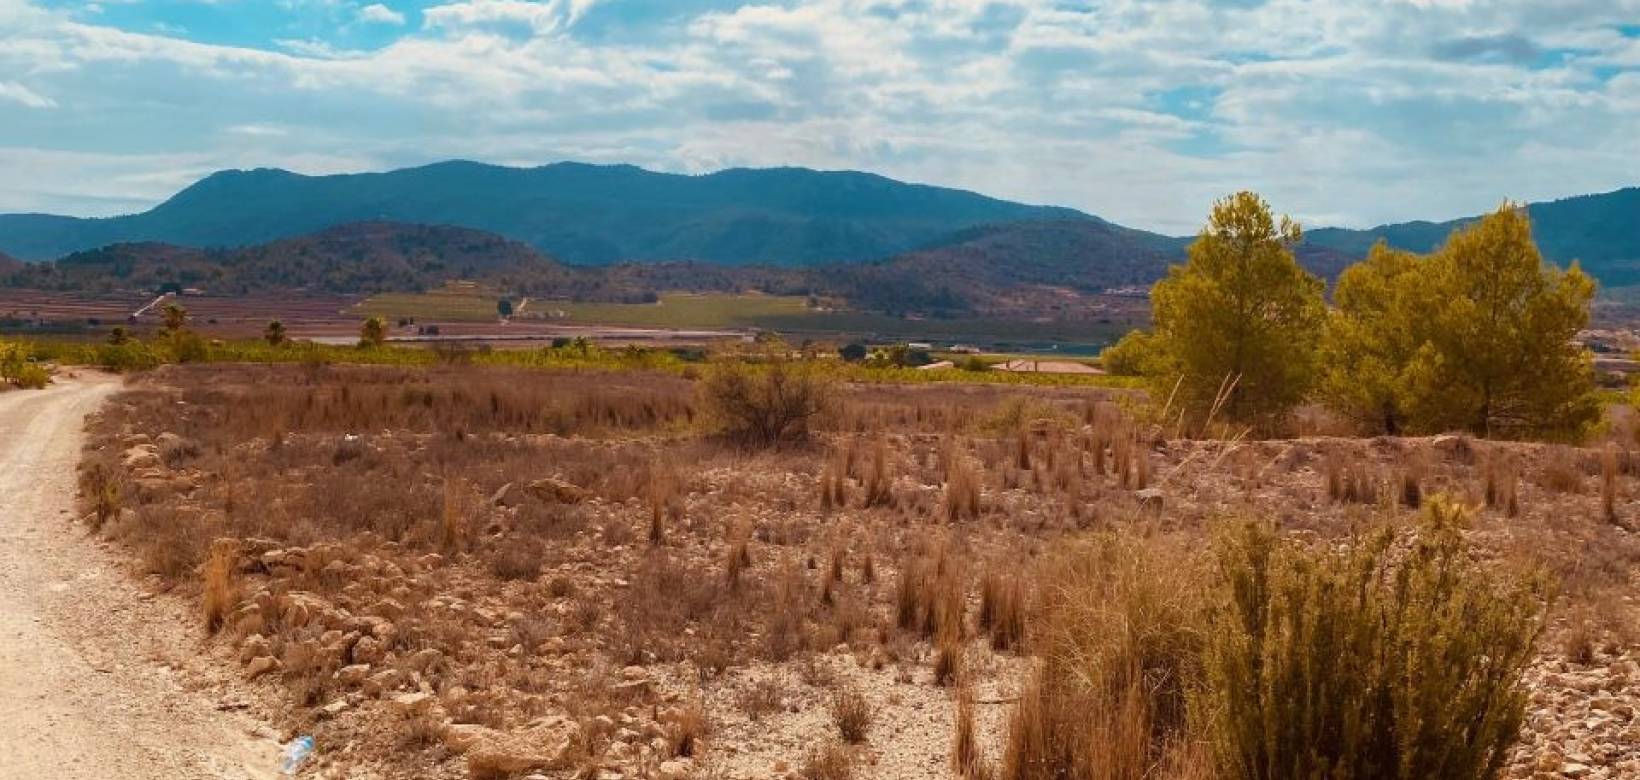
<point x="1349" y="112"/>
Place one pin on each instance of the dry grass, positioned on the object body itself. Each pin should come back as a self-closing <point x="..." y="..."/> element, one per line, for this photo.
<point x="830" y="761"/>
<point x="530" y="600"/>
<point x="1561" y="472"/>
<point x="1002" y="611"/>
<point x="1608" y="485"/>
<point x="220" y="591"/>
<point x="1120" y="632"/>
<point x="1502" y="491"/>
<point x="1351" y="481"/>
<point x="962" y="484"/>
<point x="851" y="713"/>
<point x="967" y="758"/>
<point x="761" y="699"/>
<point x="686" y="727"/>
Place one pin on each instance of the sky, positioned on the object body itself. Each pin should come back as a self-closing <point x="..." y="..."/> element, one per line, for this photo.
<point x="1340" y="112"/>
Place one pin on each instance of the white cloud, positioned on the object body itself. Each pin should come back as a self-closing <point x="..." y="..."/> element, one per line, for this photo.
<point x="376" y="13"/>
<point x="22" y="95"/>
<point x="539" y="16"/>
<point x="1141" y="111"/>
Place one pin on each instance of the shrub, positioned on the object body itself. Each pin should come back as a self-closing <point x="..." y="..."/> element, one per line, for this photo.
<point x="829" y="762"/>
<point x="516" y="560"/>
<point x="102" y="487"/>
<point x="130" y="355"/>
<point x="1370" y="663"/>
<point x="1129" y="355"/>
<point x="851" y="713"/>
<point x="31" y="376"/>
<point x="18" y="370"/>
<point x="766" y="405"/>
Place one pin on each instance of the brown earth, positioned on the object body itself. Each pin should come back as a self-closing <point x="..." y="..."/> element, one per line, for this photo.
<point x="98" y="677"/>
<point x="463" y="573"/>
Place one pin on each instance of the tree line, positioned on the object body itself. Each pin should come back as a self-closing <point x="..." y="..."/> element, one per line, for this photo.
<point x="1477" y="336"/>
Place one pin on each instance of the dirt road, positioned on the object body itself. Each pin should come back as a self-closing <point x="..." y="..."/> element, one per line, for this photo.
<point x="97" y="679"/>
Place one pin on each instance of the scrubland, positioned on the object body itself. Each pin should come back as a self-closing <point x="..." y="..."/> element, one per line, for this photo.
<point x="468" y="571"/>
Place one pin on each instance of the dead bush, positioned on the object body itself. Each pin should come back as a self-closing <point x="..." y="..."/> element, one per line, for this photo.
<point x="831" y="761"/>
<point x="1561" y="471"/>
<point x="761" y="699"/>
<point x="761" y="406"/>
<point x="851" y="713"/>
<point x="686" y="727"/>
<point x="515" y="559"/>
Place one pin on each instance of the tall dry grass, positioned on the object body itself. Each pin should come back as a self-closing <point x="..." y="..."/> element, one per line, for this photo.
<point x="1120" y="632"/>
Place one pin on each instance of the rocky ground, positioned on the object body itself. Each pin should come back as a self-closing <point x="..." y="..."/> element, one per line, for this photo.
<point x="629" y="601"/>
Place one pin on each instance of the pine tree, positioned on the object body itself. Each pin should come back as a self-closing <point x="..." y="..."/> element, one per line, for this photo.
<point x="1237" y="326"/>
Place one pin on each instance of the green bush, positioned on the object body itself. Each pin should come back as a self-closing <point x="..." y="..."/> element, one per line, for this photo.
<point x="19" y="370"/>
<point x="1129" y="355"/>
<point x="32" y="376"/>
<point x="130" y="355"/>
<point x="1373" y="664"/>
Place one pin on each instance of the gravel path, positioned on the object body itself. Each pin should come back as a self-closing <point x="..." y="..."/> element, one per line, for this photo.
<point x="97" y="678"/>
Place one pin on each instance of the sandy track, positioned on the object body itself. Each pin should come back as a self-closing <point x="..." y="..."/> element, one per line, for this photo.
<point x="97" y="679"/>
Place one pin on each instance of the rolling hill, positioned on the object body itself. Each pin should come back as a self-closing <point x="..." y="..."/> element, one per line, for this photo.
<point x="581" y="214"/>
<point x="1006" y="269"/>
<point x="1597" y="230"/>
<point x="357" y="258"/>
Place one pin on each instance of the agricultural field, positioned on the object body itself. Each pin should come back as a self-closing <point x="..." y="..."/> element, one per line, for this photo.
<point x="789" y="315"/>
<point x="672" y="310"/>
<point x="471" y="572"/>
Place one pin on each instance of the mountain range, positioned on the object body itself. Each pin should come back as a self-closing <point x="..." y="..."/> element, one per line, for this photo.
<point x="581" y="214"/>
<point x="613" y="232"/>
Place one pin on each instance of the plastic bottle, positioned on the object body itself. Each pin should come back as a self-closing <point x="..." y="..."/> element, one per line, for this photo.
<point x="296" y="754"/>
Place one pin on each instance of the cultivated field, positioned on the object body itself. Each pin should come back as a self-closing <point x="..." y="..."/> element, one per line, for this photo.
<point x="786" y="314"/>
<point x="465" y="572"/>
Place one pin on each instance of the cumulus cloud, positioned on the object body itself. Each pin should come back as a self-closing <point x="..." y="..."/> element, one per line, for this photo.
<point x="376" y="13"/>
<point x="1141" y="111"/>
